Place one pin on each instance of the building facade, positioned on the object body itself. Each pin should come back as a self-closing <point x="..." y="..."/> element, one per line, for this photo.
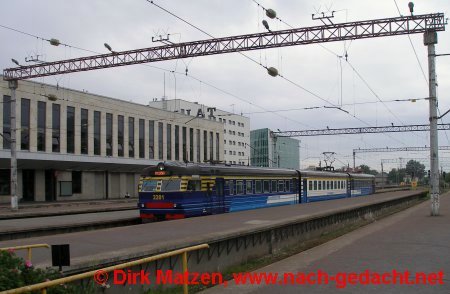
<point x="236" y="128"/>
<point x="269" y="150"/>
<point x="87" y="146"/>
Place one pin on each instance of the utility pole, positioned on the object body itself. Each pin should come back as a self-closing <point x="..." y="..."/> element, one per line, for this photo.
<point x="430" y="39"/>
<point x="14" y="199"/>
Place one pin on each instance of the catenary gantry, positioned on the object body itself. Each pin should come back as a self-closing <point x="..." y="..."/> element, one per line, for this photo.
<point x="291" y="37"/>
<point x="365" y="130"/>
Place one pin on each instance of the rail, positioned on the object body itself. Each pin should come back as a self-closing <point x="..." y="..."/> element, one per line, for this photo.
<point x="44" y="285"/>
<point x="28" y="247"/>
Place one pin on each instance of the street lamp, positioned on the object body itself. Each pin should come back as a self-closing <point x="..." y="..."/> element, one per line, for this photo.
<point x="109" y="48"/>
<point x="15" y="61"/>
<point x="14" y="199"/>
<point x="175" y="78"/>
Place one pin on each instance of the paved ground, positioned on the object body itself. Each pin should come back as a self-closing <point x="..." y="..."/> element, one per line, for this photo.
<point x="410" y="240"/>
<point x="105" y="245"/>
<point x="36" y="209"/>
<point x="37" y="223"/>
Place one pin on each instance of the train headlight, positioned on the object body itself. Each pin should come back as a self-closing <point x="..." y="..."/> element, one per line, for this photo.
<point x="160" y="166"/>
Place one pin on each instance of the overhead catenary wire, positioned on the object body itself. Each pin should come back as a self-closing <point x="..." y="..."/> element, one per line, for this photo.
<point x="158" y="68"/>
<point x="283" y="77"/>
<point x="340" y="57"/>
<point x="421" y="68"/>
<point x="345" y="104"/>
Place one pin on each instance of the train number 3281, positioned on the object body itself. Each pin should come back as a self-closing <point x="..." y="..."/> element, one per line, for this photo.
<point x="158" y="197"/>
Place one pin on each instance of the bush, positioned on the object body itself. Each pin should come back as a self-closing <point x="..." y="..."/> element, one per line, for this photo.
<point x="16" y="272"/>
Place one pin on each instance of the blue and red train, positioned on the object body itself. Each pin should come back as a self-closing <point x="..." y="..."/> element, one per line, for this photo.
<point x="175" y="190"/>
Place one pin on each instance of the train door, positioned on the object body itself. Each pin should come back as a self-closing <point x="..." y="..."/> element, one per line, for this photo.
<point x="350" y="185"/>
<point x="296" y="190"/>
<point x="304" y="192"/>
<point x="218" y="197"/>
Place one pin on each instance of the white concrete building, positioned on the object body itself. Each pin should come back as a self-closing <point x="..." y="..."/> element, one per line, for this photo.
<point x="236" y="128"/>
<point x="87" y="146"/>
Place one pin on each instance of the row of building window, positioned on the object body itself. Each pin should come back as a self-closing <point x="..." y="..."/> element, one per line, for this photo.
<point x="234" y="153"/>
<point x="233" y="143"/>
<point x="230" y="132"/>
<point x="231" y="122"/>
<point x="188" y="154"/>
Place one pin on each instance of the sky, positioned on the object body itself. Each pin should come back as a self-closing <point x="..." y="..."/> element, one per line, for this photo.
<point x="378" y="69"/>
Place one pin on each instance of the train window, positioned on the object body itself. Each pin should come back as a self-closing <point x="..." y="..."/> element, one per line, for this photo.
<point x="287" y="186"/>
<point x="331" y="185"/>
<point x="338" y="184"/>
<point x="324" y="185"/>
<point x="327" y="185"/>
<point x="320" y="185"/>
<point x="310" y="185"/>
<point x="170" y="185"/>
<point x="249" y="187"/>
<point x="239" y="187"/>
<point x="274" y="185"/>
<point x="280" y="186"/>
<point x="258" y="187"/>
<point x="231" y="186"/>
<point x="194" y="185"/>
<point x="149" y="186"/>
<point x="315" y="185"/>
<point x="266" y="186"/>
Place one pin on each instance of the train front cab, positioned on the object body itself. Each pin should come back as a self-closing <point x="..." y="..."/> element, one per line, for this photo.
<point x="168" y="196"/>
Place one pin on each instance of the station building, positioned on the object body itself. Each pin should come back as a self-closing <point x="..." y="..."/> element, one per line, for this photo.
<point x="86" y="146"/>
<point x="269" y="150"/>
<point x="236" y="128"/>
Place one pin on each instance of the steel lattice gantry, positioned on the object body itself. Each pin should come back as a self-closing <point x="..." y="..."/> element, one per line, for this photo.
<point x="355" y="131"/>
<point x="291" y="37"/>
<point x="397" y="149"/>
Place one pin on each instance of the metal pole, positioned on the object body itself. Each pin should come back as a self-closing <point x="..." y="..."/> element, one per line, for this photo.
<point x="185" y="272"/>
<point x="430" y="39"/>
<point x="14" y="199"/>
<point x="354" y="155"/>
<point x="382" y="175"/>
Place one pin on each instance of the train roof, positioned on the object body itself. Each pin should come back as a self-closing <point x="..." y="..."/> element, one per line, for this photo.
<point x="180" y="168"/>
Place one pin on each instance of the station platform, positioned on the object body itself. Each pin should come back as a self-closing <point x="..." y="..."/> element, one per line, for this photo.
<point x="410" y="240"/>
<point x="104" y="247"/>
<point x="44" y="209"/>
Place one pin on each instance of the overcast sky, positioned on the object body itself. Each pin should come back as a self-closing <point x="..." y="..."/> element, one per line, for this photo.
<point x="376" y="69"/>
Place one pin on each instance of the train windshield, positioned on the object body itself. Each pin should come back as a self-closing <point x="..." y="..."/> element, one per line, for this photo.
<point x="149" y="186"/>
<point x="170" y="185"/>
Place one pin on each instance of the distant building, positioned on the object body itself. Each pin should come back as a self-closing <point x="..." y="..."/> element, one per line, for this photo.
<point x="236" y="128"/>
<point x="268" y="150"/>
<point x="87" y="146"/>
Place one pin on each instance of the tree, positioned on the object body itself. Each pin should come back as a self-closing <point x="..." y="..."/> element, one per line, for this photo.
<point x="366" y="170"/>
<point x="396" y="176"/>
<point x="415" y="169"/>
